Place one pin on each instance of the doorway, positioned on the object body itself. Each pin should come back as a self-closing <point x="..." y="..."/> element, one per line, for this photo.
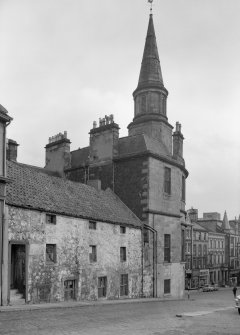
<point x="17" y="272"/>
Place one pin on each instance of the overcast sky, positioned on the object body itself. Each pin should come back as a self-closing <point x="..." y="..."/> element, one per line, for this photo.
<point x="65" y="63"/>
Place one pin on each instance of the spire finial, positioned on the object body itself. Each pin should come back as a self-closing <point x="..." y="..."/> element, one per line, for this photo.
<point x="150" y="1"/>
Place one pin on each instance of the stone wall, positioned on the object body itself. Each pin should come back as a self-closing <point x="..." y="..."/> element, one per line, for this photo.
<point x="73" y="237"/>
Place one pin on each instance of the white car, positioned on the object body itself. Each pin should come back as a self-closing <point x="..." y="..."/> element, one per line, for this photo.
<point x="237" y="302"/>
<point x="208" y="288"/>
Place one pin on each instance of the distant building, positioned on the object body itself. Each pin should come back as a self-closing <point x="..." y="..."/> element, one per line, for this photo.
<point x="223" y="253"/>
<point x="196" y="256"/>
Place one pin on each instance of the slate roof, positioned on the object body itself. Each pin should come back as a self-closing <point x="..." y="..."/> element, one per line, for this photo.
<point x="198" y="227"/>
<point x="141" y="143"/>
<point x="32" y="188"/>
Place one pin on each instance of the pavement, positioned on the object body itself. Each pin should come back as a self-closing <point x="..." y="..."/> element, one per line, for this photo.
<point x="73" y="304"/>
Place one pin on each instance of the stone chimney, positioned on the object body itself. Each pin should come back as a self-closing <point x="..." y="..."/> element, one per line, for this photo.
<point x="103" y="140"/>
<point x="58" y="153"/>
<point x="193" y="214"/>
<point x="12" y="150"/>
<point x="178" y="143"/>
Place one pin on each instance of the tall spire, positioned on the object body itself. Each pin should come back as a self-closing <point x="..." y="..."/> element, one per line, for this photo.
<point x="225" y="223"/>
<point x="150" y="74"/>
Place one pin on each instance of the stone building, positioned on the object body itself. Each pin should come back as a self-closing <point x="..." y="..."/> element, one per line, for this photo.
<point x="68" y="240"/>
<point x="62" y="240"/>
<point x="216" y="248"/>
<point x="223" y="255"/>
<point x="146" y="169"/>
<point x="196" y="256"/>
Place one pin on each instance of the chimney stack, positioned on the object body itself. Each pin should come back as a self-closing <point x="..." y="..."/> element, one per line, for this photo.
<point x="12" y="150"/>
<point x="58" y="153"/>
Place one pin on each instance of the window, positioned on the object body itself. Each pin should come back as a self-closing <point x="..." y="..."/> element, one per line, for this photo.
<point x="145" y="235"/>
<point x="123" y="254"/>
<point x="122" y="230"/>
<point x="167" y="286"/>
<point x="183" y="188"/>
<point x="194" y="263"/>
<point x="50" y="219"/>
<point x="167" y="248"/>
<point x="143" y="103"/>
<point x="205" y="250"/>
<point x="102" y="287"/>
<point x="124" y="285"/>
<point x="51" y="256"/>
<point x="194" y="250"/>
<point x="167" y="180"/>
<point x="70" y="290"/>
<point x="199" y="263"/>
<point x="93" y="225"/>
<point x="92" y="253"/>
<point x="188" y="234"/>
<point x="199" y="250"/>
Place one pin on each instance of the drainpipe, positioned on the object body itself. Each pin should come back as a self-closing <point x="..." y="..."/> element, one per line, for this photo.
<point x="154" y="256"/>
<point x="5" y="121"/>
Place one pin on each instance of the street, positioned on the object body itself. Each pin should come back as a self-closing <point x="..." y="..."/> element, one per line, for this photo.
<point x="204" y="313"/>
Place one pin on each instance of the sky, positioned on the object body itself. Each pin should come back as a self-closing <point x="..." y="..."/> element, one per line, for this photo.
<point x="66" y="63"/>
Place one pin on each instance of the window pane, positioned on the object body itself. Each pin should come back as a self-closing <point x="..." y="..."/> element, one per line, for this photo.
<point x="167" y="248"/>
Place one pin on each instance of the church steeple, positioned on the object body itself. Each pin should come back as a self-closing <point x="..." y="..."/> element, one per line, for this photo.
<point x="150" y="96"/>
<point x="150" y="74"/>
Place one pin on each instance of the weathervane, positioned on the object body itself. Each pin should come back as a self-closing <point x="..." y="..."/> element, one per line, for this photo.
<point x="150" y="1"/>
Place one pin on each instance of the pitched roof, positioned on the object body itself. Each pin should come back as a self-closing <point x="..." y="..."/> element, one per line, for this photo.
<point x="34" y="189"/>
<point x="197" y="226"/>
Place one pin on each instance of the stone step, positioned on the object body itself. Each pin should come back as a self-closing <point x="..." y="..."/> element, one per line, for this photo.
<point x="16" y="298"/>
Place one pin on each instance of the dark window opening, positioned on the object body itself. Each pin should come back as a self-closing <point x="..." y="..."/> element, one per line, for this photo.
<point x="51" y="255"/>
<point x="93" y="225"/>
<point x="50" y="218"/>
<point x="167" y="286"/>
<point x="167" y="180"/>
<point x="123" y="254"/>
<point x="70" y="290"/>
<point x="102" y="287"/>
<point x="92" y="253"/>
<point x="124" y="285"/>
<point x="122" y="230"/>
<point x="145" y="235"/>
<point x="183" y="188"/>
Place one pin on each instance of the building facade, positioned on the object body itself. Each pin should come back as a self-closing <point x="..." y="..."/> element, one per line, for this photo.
<point x="223" y="258"/>
<point x="68" y="241"/>
<point x="196" y="256"/>
<point x="146" y="169"/>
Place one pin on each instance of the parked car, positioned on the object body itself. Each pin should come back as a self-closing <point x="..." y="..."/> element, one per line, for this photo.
<point x="208" y="288"/>
<point x="237" y="303"/>
<point x="215" y="287"/>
